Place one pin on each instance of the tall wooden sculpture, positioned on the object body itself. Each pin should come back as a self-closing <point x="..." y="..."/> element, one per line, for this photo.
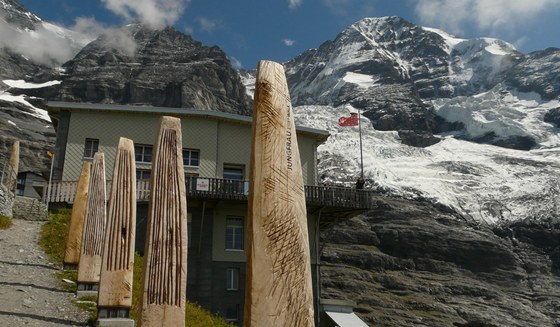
<point x="278" y="288"/>
<point x="115" y="285"/>
<point x="89" y="268"/>
<point x="75" y="233"/>
<point x="165" y="256"/>
<point x="10" y="177"/>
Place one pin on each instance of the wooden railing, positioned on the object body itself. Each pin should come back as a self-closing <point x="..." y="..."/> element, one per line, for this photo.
<point x="225" y="189"/>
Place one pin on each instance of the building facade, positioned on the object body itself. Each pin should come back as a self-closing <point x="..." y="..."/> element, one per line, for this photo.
<point x="216" y="154"/>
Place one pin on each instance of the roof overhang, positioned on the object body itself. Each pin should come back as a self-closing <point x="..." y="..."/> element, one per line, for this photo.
<point x="55" y="107"/>
<point x="346" y="319"/>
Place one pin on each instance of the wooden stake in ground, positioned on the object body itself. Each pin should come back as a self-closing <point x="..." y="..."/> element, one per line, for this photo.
<point x="115" y="286"/>
<point x="165" y="256"/>
<point x="10" y="179"/>
<point x="94" y="228"/>
<point x="278" y="288"/>
<point x="75" y="233"/>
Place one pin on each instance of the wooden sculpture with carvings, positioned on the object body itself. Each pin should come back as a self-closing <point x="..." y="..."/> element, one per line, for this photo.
<point x="10" y="179"/>
<point x="95" y="219"/>
<point x="115" y="285"/>
<point x="278" y="288"/>
<point x="74" y="242"/>
<point x="165" y="256"/>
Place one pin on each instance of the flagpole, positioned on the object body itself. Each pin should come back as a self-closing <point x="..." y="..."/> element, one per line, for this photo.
<point x="361" y="152"/>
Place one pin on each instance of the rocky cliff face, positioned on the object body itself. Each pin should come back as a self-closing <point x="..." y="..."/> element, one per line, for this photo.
<point x="158" y="67"/>
<point x="411" y="263"/>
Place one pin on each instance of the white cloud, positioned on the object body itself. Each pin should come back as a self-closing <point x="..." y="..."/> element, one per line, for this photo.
<point x="207" y="24"/>
<point x="155" y="13"/>
<point x="45" y="45"/>
<point x="288" y="42"/>
<point x="52" y="45"/>
<point x="235" y="63"/>
<point x="486" y="15"/>
<point x="293" y="4"/>
<point x="187" y="29"/>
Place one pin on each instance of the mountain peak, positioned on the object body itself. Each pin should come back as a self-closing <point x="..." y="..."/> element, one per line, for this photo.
<point x="161" y="67"/>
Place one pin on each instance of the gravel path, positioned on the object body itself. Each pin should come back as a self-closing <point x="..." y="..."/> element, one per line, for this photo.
<point x="30" y="295"/>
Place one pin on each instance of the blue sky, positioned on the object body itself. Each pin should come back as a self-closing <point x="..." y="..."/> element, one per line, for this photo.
<point x="280" y="29"/>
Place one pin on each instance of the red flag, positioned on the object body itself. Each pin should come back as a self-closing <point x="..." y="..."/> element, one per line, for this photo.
<point x="348" y="121"/>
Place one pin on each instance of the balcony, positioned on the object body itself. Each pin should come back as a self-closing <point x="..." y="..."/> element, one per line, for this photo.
<point x="224" y="189"/>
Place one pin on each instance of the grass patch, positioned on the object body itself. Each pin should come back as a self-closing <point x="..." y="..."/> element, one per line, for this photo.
<point x="5" y="222"/>
<point x="71" y="275"/>
<point x="88" y="304"/>
<point x="54" y="235"/>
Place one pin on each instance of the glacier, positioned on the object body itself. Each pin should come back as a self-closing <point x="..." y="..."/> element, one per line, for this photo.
<point x="485" y="183"/>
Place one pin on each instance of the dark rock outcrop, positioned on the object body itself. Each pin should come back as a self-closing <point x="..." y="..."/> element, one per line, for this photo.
<point x="158" y="67"/>
<point x="37" y="136"/>
<point x="553" y="116"/>
<point x="413" y="263"/>
<point x="537" y="73"/>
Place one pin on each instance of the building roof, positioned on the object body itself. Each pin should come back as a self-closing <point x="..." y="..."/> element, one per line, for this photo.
<point x="54" y="107"/>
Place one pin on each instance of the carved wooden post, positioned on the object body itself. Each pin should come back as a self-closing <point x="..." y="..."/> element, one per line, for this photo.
<point x="94" y="230"/>
<point x="278" y="288"/>
<point x="165" y="256"/>
<point x="115" y="285"/>
<point x="75" y="233"/>
<point x="10" y="180"/>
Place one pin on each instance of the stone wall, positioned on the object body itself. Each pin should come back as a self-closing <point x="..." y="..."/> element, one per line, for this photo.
<point x="29" y="209"/>
<point x="6" y="201"/>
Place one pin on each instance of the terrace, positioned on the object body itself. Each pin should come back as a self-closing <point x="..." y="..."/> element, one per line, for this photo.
<point x="332" y="198"/>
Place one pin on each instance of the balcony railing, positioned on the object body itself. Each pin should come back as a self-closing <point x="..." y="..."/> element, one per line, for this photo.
<point x="225" y="189"/>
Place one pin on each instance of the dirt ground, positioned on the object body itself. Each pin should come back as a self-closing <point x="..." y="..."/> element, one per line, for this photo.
<point x="30" y="295"/>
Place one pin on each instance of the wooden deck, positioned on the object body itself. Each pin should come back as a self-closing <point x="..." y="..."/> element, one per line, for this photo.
<point x="224" y="189"/>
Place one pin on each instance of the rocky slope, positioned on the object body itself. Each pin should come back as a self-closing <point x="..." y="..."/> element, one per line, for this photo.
<point x="411" y="263"/>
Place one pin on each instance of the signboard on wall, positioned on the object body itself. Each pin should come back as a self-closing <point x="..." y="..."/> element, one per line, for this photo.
<point x="203" y="184"/>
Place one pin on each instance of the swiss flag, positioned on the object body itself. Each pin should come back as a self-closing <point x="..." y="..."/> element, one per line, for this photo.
<point x="348" y="121"/>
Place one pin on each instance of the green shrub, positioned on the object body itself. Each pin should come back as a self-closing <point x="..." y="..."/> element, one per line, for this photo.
<point x="5" y="222"/>
<point x="55" y="234"/>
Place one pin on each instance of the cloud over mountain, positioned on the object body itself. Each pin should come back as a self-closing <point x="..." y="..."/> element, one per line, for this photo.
<point x="486" y="15"/>
<point x="155" y="13"/>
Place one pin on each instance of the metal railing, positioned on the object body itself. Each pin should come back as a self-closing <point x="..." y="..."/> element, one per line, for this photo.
<point x="225" y="189"/>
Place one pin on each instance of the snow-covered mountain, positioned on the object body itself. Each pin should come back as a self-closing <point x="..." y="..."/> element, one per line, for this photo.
<point x="407" y="79"/>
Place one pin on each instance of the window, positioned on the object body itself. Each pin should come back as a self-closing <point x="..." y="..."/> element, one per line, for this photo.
<point x="232" y="312"/>
<point x="143" y="174"/>
<point x="232" y="279"/>
<point x="190" y="157"/>
<point x="233" y="172"/>
<point x="91" y="147"/>
<point x="20" y="185"/>
<point x="234" y="233"/>
<point x="143" y="153"/>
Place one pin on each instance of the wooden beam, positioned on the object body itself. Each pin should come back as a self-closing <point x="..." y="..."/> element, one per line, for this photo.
<point x="278" y="288"/>
<point x="89" y="268"/>
<point x="165" y="256"/>
<point x="74" y="242"/>
<point x="10" y="179"/>
<point x="115" y="285"/>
